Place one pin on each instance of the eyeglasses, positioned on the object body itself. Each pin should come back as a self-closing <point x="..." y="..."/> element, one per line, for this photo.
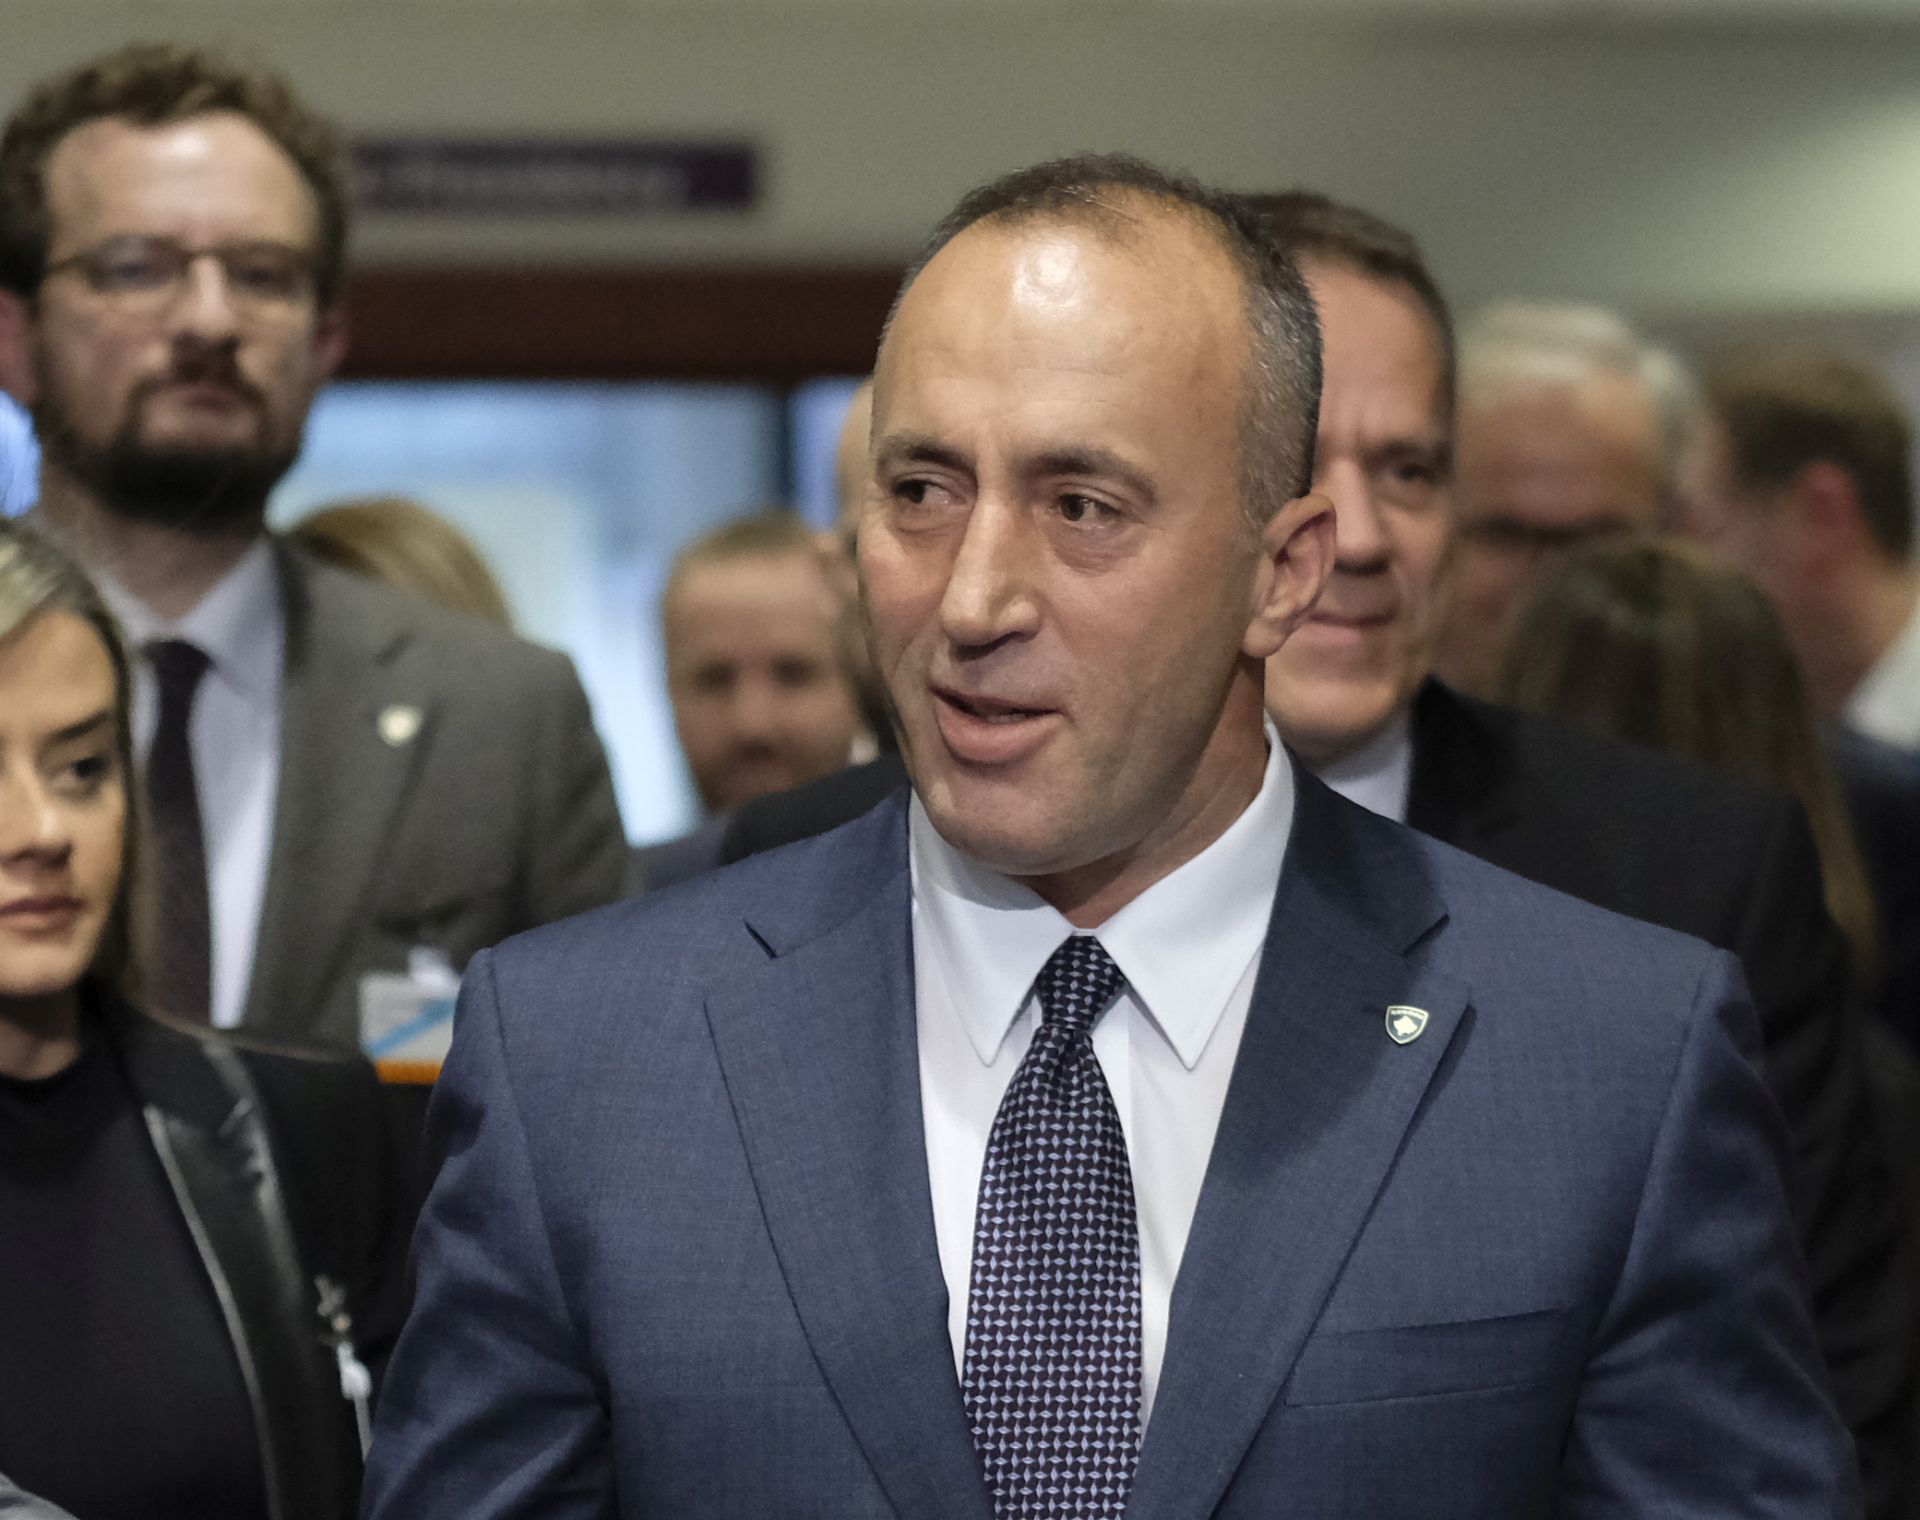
<point x="145" y="273"/>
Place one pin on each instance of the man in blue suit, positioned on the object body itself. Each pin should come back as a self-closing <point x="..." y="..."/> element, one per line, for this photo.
<point x="1123" y="1123"/>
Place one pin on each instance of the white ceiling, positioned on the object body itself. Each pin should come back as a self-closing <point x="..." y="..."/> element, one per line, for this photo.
<point x="1800" y="13"/>
<point x="1720" y="15"/>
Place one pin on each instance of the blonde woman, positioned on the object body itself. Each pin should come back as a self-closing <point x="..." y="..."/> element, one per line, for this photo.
<point x="201" y="1235"/>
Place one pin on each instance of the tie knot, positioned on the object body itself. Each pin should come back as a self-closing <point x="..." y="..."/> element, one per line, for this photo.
<point x="177" y="666"/>
<point x="1077" y="983"/>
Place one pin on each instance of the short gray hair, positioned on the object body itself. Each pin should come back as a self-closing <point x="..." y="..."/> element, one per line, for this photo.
<point x="1563" y="343"/>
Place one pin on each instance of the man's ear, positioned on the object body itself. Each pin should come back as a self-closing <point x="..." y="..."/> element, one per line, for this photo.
<point x="1296" y="557"/>
<point x="16" y="347"/>
<point x="330" y="339"/>
<point x="1829" y="527"/>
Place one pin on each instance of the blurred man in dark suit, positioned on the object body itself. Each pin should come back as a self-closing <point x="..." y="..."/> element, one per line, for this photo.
<point x="346" y="787"/>
<point x="782" y="817"/>
<point x="760" y="680"/>
<point x="1618" y="826"/>
<point x="1804" y="481"/>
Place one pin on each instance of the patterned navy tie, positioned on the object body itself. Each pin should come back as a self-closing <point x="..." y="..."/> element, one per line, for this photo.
<point x="1052" y="1368"/>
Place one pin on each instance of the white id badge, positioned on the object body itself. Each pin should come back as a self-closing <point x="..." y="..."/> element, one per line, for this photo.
<point x="406" y="1017"/>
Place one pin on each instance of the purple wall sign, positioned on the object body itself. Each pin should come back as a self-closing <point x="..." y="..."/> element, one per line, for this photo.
<point x="436" y="176"/>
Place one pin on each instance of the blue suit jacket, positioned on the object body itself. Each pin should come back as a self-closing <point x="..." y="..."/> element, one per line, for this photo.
<point x="680" y="1259"/>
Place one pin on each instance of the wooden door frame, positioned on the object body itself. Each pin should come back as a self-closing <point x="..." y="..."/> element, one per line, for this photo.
<point x="774" y="325"/>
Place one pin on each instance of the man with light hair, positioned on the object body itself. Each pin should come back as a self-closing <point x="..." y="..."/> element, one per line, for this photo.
<point x="1570" y="425"/>
<point x="757" y="672"/>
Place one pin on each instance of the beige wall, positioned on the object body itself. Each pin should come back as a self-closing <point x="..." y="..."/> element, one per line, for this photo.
<point x="1677" y="171"/>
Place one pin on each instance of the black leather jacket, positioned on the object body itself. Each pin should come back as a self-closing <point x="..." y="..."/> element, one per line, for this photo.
<point x="15" y="1505"/>
<point x="285" y="1168"/>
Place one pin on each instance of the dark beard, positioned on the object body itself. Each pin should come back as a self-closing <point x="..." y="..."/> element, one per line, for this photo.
<point x="194" y="490"/>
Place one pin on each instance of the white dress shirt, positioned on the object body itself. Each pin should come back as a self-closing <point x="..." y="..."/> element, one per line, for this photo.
<point x="1379" y="773"/>
<point x="235" y="734"/>
<point x="1189" y="947"/>
<point x="1886" y="703"/>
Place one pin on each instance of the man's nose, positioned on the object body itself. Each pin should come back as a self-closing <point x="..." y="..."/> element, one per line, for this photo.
<point x="204" y="308"/>
<point x="1359" y="540"/>
<point x="756" y="709"/>
<point x="989" y="593"/>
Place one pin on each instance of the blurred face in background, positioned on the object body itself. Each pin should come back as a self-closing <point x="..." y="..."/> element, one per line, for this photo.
<point x="1382" y="458"/>
<point x="63" y="804"/>
<point x="178" y="395"/>
<point x="1541" y="466"/>
<point x="1067" y="605"/>
<point x="761" y="701"/>
<point x="1745" y="527"/>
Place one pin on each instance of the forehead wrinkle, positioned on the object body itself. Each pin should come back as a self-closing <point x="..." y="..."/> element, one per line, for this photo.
<point x="1011" y="307"/>
<point x="217" y="170"/>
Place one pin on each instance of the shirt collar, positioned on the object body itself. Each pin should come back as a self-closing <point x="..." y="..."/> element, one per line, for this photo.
<point x="238" y="624"/>
<point x="1883" y="704"/>
<point x="1183" y="944"/>
<point x="1378" y="774"/>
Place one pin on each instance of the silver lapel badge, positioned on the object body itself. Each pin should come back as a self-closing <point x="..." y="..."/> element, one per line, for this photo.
<point x="398" y="724"/>
<point x="1404" y="1024"/>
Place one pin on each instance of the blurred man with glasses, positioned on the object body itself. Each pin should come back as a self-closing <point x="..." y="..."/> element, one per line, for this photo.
<point x="349" y="793"/>
<point x="1570" y="426"/>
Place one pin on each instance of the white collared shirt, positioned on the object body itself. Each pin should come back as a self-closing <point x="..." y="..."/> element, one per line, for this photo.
<point x="1886" y="703"/>
<point x="1189" y="947"/>
<point x="1379" y="774"/>
<point x="235" y="734"/>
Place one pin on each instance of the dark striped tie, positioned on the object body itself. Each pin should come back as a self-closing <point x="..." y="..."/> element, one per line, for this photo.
<point x="181" y="964"/>
<point x="1051" y="1374"/>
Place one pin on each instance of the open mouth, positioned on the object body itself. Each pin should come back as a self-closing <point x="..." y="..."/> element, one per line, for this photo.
<point x="990" y="732"/>
<point x="988" y="709"/>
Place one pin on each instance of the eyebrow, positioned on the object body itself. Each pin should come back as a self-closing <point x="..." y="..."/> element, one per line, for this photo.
<point x="1092" y="460"/>
<point x="1089" y="459"/>
<point x="919" y="448"/>
<point x="1435" y="449"/>
<point x="84" y="728"/>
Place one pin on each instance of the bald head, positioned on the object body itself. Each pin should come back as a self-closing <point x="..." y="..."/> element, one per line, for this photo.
<point x="1121" y="201"/>
<point x="1028" y="303"/>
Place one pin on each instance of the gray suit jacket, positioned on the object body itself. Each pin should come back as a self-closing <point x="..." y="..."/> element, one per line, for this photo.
<point x="441" y="785"/>
<point x="680" y="1257"/>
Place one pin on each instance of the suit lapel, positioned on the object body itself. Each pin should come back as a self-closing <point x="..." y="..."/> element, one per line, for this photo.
<point x="819" y="1050"/>
<point x="341" y="783"/>
<point x="1318" y="1108"/>
<point x="209" y="1132"/>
